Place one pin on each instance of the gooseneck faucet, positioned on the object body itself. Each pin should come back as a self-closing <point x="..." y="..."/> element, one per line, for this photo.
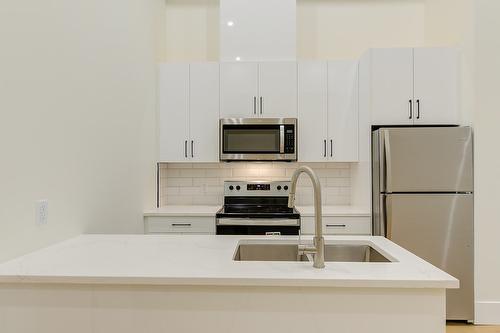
<point x="318" y="248"/>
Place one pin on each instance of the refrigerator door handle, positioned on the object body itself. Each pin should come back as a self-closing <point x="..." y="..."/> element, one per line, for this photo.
<point x="388" y="162"/>
<point x="387" y="225"/>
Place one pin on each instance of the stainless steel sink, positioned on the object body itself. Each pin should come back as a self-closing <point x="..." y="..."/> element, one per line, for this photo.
<point x="268" y="252"/>
<point x="289" y="252"/>
<point x="353" y="253"/>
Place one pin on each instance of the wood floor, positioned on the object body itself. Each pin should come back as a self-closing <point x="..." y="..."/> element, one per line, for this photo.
<point x="462" y="328"/>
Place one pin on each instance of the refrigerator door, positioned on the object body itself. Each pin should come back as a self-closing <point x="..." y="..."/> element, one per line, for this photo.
<point x="439" y="229"/>
<point x="425" y="159"/>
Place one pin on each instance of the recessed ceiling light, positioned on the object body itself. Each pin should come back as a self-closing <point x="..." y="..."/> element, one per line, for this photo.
<point x="238" y="58"/>
<point x="230" y="23"/>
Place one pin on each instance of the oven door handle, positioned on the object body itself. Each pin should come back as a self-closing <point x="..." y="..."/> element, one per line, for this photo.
<point x="250" y="221"/>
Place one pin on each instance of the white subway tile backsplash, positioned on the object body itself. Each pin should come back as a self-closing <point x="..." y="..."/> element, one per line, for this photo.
<point x="202" y="183"/>
<point x="192" y="173"/>
<point x="174" y="181"/>
<point x="220" y="173"/>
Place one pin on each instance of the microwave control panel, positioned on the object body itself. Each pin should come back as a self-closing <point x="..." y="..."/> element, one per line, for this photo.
<point x="289" y="139"/>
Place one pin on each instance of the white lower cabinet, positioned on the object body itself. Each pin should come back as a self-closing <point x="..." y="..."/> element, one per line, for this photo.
<point x="338" y="225"/>
<point x="179" y="225"/>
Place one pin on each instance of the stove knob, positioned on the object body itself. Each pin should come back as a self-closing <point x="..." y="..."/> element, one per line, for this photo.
<point x="231" y="187"/>
<point x="238" y="187"/>
<point x="279" y="187"/>
<point x="285" y="188"/>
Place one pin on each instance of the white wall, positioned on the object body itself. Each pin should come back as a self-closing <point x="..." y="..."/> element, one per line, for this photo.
<point x="344" y="29"/>
<point x="192" y="30"/>
<point x="77" y="117"/>
<point x="486" y="119"/>
<point x="326" y="29"/>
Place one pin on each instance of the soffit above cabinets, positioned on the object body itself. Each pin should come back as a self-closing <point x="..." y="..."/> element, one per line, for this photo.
<point x="257" y="30"/>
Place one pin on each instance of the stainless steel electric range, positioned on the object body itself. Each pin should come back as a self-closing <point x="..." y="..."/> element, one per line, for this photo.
<point x="257" y="208"/>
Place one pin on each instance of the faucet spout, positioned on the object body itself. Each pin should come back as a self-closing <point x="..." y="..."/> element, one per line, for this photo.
<point x="318" y="249"/>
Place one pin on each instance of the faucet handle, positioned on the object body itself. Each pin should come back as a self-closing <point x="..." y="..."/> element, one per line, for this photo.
<point x="306" y="249"/>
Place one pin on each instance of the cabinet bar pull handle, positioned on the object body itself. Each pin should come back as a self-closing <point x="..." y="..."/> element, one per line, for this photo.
<point x="255" y="105"/>
<point x="411" y="109"/>
<point x="185" y="148"/>
<point x="418" y="109"/>
<point x="324" y="148"/>
<point x="181" y="224"/>
<point x="335" y="225"/>
<point x="331" y="148"/>
<point x="261" y="104"/>
<point x="192" y="148"/>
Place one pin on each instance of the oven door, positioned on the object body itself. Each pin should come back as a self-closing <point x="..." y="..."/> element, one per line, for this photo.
<point x="257" y="139"/>
<point x="247" y="226"/>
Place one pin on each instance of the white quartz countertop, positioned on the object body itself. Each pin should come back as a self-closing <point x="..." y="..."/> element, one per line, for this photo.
<point x="191" y="210"/>
<point x="208" y="260"/>
<point x="335" y="210"/>
<point x="194" y="210"/>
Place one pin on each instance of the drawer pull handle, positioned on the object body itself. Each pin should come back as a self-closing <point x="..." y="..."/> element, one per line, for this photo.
<point x="181" y="224"/>
<point x="335" y="225"/>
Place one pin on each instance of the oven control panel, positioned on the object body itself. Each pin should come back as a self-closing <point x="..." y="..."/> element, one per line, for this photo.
<point x="256" y="188"/>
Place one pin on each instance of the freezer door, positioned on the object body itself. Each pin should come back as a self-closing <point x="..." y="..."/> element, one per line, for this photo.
<point x="425" y="159"/>
<point x="439" y="229"/>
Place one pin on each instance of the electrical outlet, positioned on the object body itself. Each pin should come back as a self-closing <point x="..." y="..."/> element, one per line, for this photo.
<point x="42" y="211"/>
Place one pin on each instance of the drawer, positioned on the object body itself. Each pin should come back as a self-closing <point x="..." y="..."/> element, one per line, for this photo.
<point x="339" y="225"/>
<point x="179" y="225"/>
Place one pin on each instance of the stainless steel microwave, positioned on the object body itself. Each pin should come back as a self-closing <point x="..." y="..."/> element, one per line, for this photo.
<point x="258" y="139"/>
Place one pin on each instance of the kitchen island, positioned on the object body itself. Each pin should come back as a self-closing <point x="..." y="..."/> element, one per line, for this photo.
<point x="191" y="283"/>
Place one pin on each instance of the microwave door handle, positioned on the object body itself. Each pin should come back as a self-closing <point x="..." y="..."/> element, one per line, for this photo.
<point x="282" y="139"/>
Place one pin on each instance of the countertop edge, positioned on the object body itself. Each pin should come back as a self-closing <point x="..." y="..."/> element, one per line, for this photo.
<point x="230" y="282"/>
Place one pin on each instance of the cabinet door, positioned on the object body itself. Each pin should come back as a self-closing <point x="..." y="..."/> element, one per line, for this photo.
<point x="278" y="89"/>
<point x="204" y="112"/>
<point x="391" y="86"/>
<point x="174" y="112"/>
<point x="313" y="106"/>
<point x="343" y="111"/>
<point x="436" y="85"/>
<point x="239" y="89"/>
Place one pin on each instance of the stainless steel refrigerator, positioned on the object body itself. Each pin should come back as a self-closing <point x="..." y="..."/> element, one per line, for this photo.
<point x="423" y="200"/>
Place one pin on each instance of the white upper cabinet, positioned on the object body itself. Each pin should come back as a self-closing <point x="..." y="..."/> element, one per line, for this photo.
<point x="436" y="85"/>
<point x="174" y="112"/>
<point x="189" y="112"/>
<point x="204" y="112"/>
<point x="328" y="111"/>
<point x="391" y="86"/>
<point x="343" y="110"/>
<point x="313" y="108"/>
<point x="267" y="89"/>
<point x="278" y="89"/>
<point x="406" y="86"/>
<point x="257" y="30"/>
<point x="239" y="89"/>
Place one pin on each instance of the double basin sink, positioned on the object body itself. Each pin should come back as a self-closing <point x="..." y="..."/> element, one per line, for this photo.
<point x="277" y="251"/>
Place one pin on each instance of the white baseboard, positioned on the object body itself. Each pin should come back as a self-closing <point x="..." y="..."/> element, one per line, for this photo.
<point x="487" y="313"/>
